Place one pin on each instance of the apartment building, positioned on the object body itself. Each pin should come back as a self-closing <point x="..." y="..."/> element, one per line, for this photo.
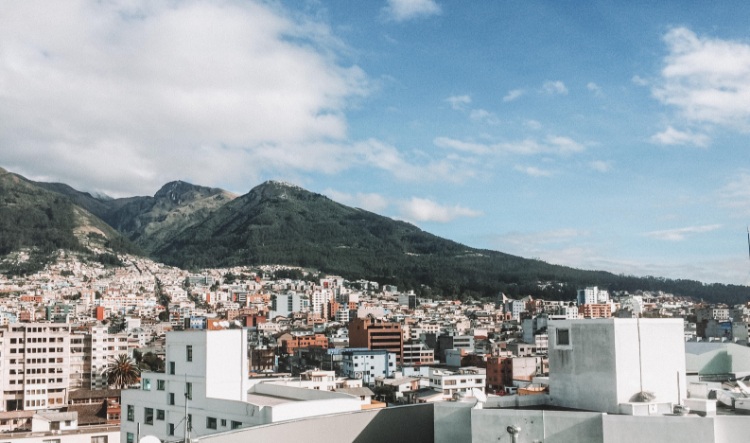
<point x="377" y="334"/>
<point x="35" y="363"/>
<point x="459" y="382"/>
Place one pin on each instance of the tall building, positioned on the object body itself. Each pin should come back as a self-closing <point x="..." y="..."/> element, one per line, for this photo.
<point x="377" y="334"/>
<point x="286" y="304"/>
<point x="35" y="366"/>
<point x="592" y="295"/>
<point x="206" y="390"/>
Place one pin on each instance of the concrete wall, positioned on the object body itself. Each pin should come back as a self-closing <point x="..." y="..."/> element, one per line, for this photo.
<point x="490" y="425"/>
<point x="629" y="429"/>
<point x="453" y="422"/>
<point x="409" y="424"/>
<point x="606" y="360"/>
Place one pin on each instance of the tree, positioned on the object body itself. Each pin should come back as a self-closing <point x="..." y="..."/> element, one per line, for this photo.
<point x="122" y="372"/>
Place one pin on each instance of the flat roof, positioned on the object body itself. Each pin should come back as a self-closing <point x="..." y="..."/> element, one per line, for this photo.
<point x="268" y="400"/>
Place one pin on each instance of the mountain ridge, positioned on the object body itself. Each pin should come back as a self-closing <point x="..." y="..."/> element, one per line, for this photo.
<point x="194" y="226"/>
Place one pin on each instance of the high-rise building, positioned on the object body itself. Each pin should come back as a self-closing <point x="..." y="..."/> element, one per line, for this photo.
<point x="377" y="334"/>
<point x="35" y="364"/>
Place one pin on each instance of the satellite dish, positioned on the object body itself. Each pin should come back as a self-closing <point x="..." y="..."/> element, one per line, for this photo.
<point x="149" y="439"/>
<point x="479" y="395"/>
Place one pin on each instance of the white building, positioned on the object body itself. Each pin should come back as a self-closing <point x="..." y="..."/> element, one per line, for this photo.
<point x="35" y="366"/>
<point x="367" y="364"/>
<point x="209" y="371"/>
<point x="592" y="295"/>
<point x="613" y="365"/>
<point x="459" y="382"/>
<point x="285" y="304"/>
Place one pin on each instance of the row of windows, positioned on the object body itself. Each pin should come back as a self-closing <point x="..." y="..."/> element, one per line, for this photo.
<point x="34" y="350"/>
<point x="148" y="418"/>
<point x="36" y="381"/>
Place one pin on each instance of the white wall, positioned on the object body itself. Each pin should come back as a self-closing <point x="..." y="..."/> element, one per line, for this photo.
<point x="606" y="360"/>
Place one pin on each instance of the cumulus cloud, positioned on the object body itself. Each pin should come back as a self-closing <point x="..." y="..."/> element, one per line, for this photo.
<point x="638" y="80"/>
<point x="594" y="88"/>
<point x="138" y="92"/>
<point x="484" y="116"/>
<point x="425" y="210"/>
<point x="706" y="79"/>
<point x="672" y="136"/>
<point x="459" y="102"/>
<point x="555" y="88"/>
<point x="513" y="94"/>
<point x="533" y="171"/>
<point x="403" y="10"/>
<point x="680" y="234"/>
<point x="600" y="166"/>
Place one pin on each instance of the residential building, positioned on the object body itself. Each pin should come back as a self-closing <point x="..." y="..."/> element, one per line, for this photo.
<point x="35" y="364"/>
<point x="459" y="382"/>
<point x="368" y="364"/>
<point x="377" y="335"/>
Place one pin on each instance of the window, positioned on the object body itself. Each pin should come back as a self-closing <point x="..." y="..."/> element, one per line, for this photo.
<point x="171" y="368"/>
<point x="236" y="424"/>
<point x="170" y="429"/>
<point x="99" y="439"/>
<point x="146" y="384"/>
<point x="210" y="422"/>
<point x="131" y="413"/>
<point x="563" y="337"/>
<point x="189" y="390"/>
<point x="189" y="352"/>
<point x="224" y="422"/>
<point x="130" y="438"/>
<point x="148" y="416"/>
<point x="160" y="414"/>
<point x="171" y="398"/>
<point x="160" y="385"/>
<point x="190" y="422"/>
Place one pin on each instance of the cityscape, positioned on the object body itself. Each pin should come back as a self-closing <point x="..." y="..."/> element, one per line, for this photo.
<point x="144" y="350"/>
<point x="418" y="221"/>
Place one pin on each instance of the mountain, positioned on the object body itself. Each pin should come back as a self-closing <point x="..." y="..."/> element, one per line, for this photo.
<point x="281" y="223"/>
<point x="151" y="221"/>
<point x="277" y="223"/>
<point x="44" y="221"/>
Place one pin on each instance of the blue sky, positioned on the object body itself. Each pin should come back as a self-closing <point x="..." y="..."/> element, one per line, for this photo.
<point x="600" y="135"/>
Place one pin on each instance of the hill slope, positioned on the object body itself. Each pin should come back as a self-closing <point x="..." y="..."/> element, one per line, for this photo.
<point x="32" y="217"/>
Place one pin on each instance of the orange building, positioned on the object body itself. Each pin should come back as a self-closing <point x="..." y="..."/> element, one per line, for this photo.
<point x="304" y="341"/>
<point x="595" y="311"/>
<point x="377" y="334"/>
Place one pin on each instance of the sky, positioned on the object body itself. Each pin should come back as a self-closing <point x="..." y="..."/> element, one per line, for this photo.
<point x="600" y="135"/>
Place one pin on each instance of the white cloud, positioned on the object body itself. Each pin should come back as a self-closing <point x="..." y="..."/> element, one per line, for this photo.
<point x="601" y="166"/>
<point x="484" y="115"/>
<point x="672" y="136"/>
<point x="680" y="234"/>
<point x="638" y="80"/>
<point x="735" y="194"/>
<point x="402" y="10"/>
<point x="425" y="210"/>
<point x="139" y="92"/>
<point x="370" y="201"/>
<point x="513" y="94"/>
<point x="459" y="102"/>
<point x="474" y="148"/>
<point x="533" y="171"/>
<point x="557" y="145"/>
<point x="532" y="124"/>
<point x="706" y="79"/>
<point x="594" y="88"/>
<point x="555" y="87"/>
